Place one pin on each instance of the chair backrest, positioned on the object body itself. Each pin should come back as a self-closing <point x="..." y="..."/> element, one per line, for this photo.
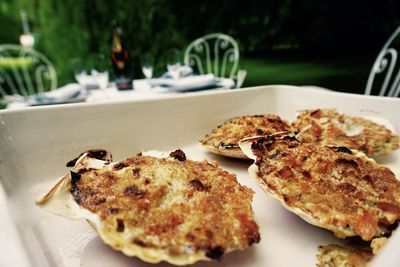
<point x="215" y="53"/>
<point x="386" y="65"/>
<point x="24" y="71"/>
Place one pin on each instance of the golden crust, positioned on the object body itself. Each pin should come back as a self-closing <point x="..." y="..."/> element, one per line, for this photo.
<point x="345" y="256"/>
<point x="330" y="127"/>
<point x="170" y="209"/>
<point x="377" y="244"/>
<point x="224" y="139"/>
<point x="331" y="187"/>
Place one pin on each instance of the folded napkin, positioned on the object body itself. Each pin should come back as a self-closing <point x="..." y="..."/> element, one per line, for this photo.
<point x="226" y="83"/>
<point x="66" y="94"/>
<point x="184" y="71"/>
<point x="59" y="95"/>
<point x="187" y="83"/>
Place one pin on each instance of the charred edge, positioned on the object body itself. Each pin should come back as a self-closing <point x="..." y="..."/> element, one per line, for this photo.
<point x="346" y="187"/>
<point x="197" y="184"/>
<point x="343" y="149"/>
<point x="75" y="177"/>
<point x="349" y="162"/>
<point x="263" y="143"/>
<point x="76" y="194"/>
<point x="139" y="154"/>
<point x="228" y="146"/>
<point x="133" y="191"/>
<point x="139" y="243"/>
<point x="290" y="138"/>
<point x="277" y="120"/>
<point x="255" y="146"/>
<point x="100" y="154"/>
<point x="120" y="225"/>
<point x="93" y="153"/>
<point x="178" y="155"/>
<point x="393" y="227"/>
<point x="306" y="174"/>
<point x="368" y="178"/>
<point x="215" y="253"/>
<point x="260" y="132"/>
<point x="315" y="112"/>
<point x="112" y="210"/>
<point x="99" y="201"/>
<point x="254" y="238"/>
<point x="135" y="171"/>
<point x="259" y="162"/>
<point x="274" y="156"/>
<point x="72" y="162"/>
<point x="119" y="166"/>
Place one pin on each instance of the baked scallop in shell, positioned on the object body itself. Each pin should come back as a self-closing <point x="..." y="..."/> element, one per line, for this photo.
<point x="337" y="255"/>
<point x="158" y="208"/>
<point x="224" y="139"/>
<point x="330" y="127"/>
<point x="335" y="188"/>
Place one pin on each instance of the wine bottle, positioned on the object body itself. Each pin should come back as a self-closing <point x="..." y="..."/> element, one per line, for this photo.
<point x="120" y="60"/>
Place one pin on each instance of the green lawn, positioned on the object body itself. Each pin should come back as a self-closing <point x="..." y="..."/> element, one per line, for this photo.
<point x="339" y="74"/>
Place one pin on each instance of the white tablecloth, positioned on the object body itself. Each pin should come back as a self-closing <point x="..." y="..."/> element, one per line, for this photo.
<point x="142" y="90"/>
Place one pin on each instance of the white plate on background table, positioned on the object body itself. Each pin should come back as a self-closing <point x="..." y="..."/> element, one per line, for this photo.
<point x="192" y="83"/>
<point x="35" y="144"/>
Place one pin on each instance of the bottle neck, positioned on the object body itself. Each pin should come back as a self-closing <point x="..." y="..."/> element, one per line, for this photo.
<point x="119" y="54"/>
<point x="117" y="46"/>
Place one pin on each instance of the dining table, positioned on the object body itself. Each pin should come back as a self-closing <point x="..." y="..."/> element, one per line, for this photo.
<point x="143" y="89"/>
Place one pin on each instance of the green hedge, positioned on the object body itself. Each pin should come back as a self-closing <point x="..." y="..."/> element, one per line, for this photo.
<point x="82" y="29"/>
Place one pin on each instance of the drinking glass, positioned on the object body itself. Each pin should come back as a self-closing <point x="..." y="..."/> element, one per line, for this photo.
<point x="102" y="78"/>
<point x="79" y="71"/>
<point x="147" y="71"/>
<point x="174" y="64"/>
<point x="147" y="66"/>
<point x="174" y="70"/>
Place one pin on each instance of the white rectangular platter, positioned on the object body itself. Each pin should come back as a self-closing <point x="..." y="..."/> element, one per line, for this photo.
<point x="35" y="144"/>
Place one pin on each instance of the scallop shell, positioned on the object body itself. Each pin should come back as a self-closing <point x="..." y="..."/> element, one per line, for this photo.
<point x="60" y="201"/>
<point x="327" y="219"/>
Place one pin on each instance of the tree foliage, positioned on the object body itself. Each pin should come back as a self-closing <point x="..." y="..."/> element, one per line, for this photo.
<point x="82" y="29"/>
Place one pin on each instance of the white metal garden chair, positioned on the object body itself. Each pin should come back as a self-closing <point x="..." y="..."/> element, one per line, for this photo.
<point x="24" y="72"/>
<point x="387" y="65"/>
<point x="215" y="53"/>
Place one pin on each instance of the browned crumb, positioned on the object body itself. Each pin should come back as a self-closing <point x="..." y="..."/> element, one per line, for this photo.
<point x="329" y="127"/>
<point x="224" y="139"/>
<point x="172" y="204"/>
<point x="342" y="256"/>
<point x="331" y="187"/>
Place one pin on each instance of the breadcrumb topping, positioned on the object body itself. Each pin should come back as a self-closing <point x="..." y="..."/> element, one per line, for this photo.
<point x="174" y="205"/>
<point x="344" y="192"/>
<point x="329" y="127"/>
